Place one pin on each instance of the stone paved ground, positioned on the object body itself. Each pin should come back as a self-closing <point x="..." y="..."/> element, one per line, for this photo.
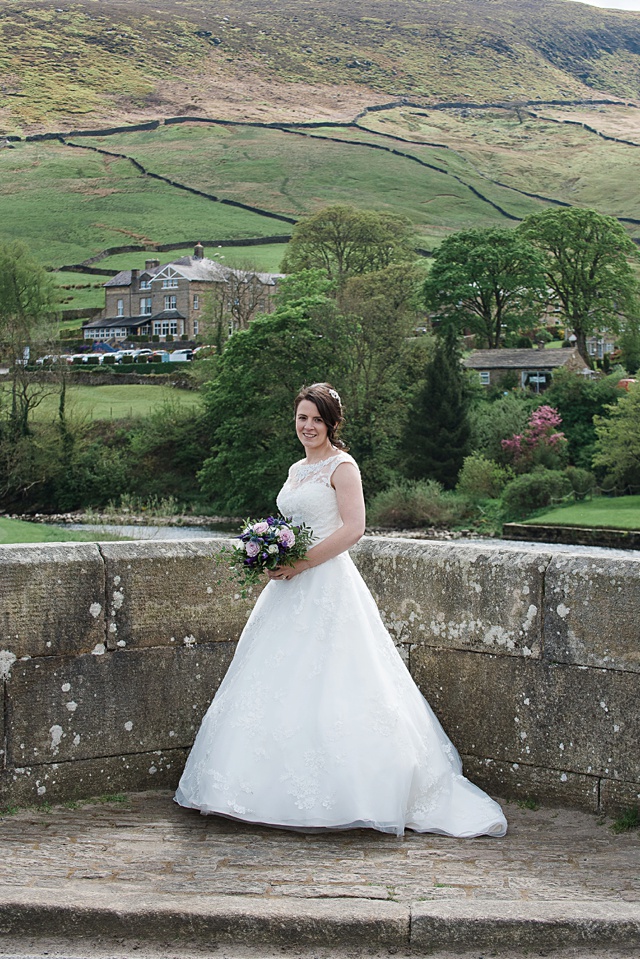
<point x="146" y="858"/>
<point x="148" y="841"/>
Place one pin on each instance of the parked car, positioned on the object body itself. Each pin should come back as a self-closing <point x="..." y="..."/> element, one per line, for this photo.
<point x="180" y="356"/>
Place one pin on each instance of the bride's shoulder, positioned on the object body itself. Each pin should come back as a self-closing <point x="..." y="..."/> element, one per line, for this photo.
<point x="342" y="457"/>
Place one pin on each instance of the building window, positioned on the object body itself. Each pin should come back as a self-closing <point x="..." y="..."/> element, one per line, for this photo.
<point x="145" y="284"/>
<point x="170" y="302"/>
<point x="170" y="283"/>
<point x="120" y="308"/>
<point x="485" y="379"/>
<point x="145" y="306"/>
<point x="157" y="328"/>
<point x="173" y="327"/>
<point x="195" y="327"/>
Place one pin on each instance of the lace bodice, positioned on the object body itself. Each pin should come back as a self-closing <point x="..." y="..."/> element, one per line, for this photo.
<point x="308" y="496"/>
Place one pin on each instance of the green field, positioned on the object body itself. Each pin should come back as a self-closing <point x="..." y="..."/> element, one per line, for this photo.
<point x="291" y="175"/>
<point x="114" y="402"/>
<point x="17" y="531"/>
<point x="620" y="512"/>
<point x="68" y="205"/>
<point x="526" y="150"/>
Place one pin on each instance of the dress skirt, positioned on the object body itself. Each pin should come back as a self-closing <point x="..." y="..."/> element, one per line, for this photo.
<point x="318" y="723"/>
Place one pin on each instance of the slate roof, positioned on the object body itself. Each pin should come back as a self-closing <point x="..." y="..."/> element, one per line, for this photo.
<point x="520" y="359"/>
<point x="195" y="268"/>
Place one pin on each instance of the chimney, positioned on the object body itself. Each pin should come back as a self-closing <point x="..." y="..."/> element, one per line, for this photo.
<point x="198" y="250"/>
<point x="151" y="264"/>
<point x="134" y="281"/>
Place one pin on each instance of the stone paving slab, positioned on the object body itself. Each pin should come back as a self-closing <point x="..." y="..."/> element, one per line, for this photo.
<point x="145" y="867"/>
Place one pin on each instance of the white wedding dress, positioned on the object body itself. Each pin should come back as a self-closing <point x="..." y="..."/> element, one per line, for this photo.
<point x="318" y="723"/>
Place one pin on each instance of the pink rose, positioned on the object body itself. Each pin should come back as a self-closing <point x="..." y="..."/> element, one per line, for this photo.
<point x="260" y="528"/>
<point x="252" y="549"/>
<point x="287" y="537"/>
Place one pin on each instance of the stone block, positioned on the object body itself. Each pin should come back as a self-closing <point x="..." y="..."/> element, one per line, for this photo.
<point x="565" y="718"/>
<point x="106" y="775"/>
<point x="457" y="596"/>
<point x="617" y="795"/>
<point x="170" y="594"/>
<point x="591" y="611"/>
<point x="67" y="709"/>
<point x="550" y="787"/>
<point x="515" y="926"/>
<point x="51" y="600"/>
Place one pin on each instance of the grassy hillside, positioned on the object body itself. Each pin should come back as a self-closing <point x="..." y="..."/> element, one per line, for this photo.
<point x="88" y="62"/>
<point x="68" y="205"/>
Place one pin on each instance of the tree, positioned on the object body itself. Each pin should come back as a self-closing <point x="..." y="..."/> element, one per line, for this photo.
<point x="249" y="408"/>
<point x="437" y="434"/>
<point x="27" y="302"/>
<point x="578" y="399"/>
<point x="541" y="443"/>
<point x="487" y="281"/>
<point x="377" y="356"/>
<point x="629" y="345"/>
<point x="343" y="241"/>
<point x="618" y="443"/>
<point x="587" y="269"/>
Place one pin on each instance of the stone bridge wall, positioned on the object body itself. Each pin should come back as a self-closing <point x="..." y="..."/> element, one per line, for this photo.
<point x="110" y="654"/>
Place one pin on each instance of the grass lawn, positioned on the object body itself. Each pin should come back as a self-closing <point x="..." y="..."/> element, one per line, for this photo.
<point x="17" y="531"/>
<point x="115" y="402"/>
<point x="619" y="512"/>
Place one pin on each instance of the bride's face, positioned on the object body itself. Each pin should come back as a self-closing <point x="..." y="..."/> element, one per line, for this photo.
<point x="310" y="427"/>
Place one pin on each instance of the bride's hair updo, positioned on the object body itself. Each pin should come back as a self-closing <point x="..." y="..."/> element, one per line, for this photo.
<point x="327" y="401"/>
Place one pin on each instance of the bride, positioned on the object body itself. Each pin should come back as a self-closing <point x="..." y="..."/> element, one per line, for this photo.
<point x="318" y="723"/>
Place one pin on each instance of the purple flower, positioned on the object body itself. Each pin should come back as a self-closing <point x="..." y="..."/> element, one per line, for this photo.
<point x="252" y="548"/>
<point x="287" y="537"/>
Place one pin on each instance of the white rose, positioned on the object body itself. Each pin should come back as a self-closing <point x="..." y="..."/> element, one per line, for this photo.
<point x="272" y="549"/>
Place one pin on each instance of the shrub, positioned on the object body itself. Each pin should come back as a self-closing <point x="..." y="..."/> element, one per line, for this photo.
<point x="533" y="491"/>
<point x="412" y="504"/>
<point x="109" y="359"/>
<point x="481" y="478"/>
<point x="582" y="481"/>
<point x="155" y="338"/>
<point x="540" y="444"/>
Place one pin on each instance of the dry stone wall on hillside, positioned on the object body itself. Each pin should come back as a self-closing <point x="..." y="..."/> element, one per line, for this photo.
<point x="110" y="654"/>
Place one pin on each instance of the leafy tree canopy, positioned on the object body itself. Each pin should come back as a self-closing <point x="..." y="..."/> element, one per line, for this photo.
<point x="343" y="241"/>
<point x="487" y="281"/>
<point x="578" y="399"/>
<point x="618" y="443"/>
<point x="587" y="269"/>
<point x="250" y="412"/>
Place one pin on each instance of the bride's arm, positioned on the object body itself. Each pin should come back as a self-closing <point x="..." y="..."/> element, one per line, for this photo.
<point x="348" y="486"/>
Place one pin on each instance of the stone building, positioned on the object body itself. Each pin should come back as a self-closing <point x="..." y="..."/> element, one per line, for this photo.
<point x="171" y="299"/>
<point x="534" y="368"/>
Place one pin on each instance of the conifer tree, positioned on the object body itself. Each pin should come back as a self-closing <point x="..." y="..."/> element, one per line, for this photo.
<point x="438" y="431"/>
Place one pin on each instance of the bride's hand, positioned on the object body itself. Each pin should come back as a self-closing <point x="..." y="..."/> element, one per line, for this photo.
<point x="288" y="572"/>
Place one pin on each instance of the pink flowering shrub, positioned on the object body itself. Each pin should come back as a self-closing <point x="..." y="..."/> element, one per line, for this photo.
<point x="541" y="443"/>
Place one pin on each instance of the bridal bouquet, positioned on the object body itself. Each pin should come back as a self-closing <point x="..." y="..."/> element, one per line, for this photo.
<point x="266" y="544"/>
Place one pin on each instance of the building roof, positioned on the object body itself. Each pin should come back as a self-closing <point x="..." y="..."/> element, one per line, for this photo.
<point x="521" y="359"/>
<point x="109" y="323"/>
<point x="193" y="268"/>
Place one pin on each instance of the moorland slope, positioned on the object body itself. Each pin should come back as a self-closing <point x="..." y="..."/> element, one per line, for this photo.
<point x="86" y="63"/>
